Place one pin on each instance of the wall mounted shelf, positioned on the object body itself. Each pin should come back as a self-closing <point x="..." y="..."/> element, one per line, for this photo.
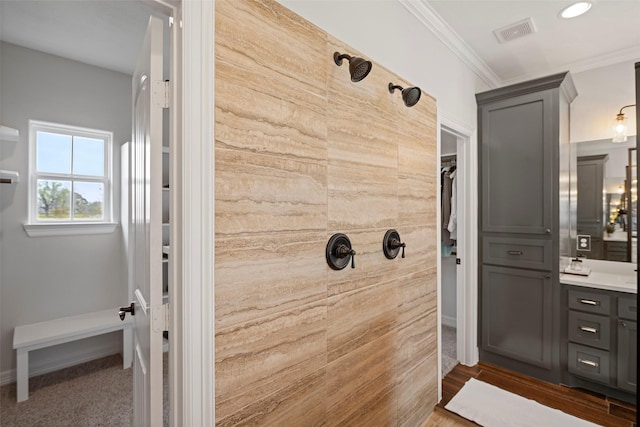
<point x="9" y="177"/>
<point x="8" y="134"/>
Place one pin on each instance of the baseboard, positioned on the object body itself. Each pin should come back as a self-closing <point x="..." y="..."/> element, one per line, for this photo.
<point x="44" y="367"/>
<point x="449" y="321"/>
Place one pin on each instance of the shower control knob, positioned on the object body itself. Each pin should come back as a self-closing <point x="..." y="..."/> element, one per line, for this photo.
<point x="124" y="310"/>
<point x="395" y="244"/>
<point x="344" y="251"/>
<point x="339" y="252"/>
<point x="391" y="244"/>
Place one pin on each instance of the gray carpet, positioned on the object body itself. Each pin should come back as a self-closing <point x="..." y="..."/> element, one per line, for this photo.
<point x="449" y="357"/>
<point x="96" y="393"/>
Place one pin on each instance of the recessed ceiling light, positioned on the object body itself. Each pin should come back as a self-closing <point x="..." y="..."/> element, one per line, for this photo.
<point x="575" y="9"/>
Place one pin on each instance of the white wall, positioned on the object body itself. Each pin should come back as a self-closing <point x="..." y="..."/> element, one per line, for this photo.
<point x="390" y="35"/>
<point x="43" y="278"/>
<point x="601" y="94"/>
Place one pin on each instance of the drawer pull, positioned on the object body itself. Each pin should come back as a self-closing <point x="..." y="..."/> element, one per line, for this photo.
<point x="515" y="252"/>
<point x="588" y="329"/>
<point x="589" y="302"/>
<point x="588" y="362"/>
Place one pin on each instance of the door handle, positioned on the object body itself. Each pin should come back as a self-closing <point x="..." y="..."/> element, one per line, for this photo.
<point x="124" y="310"/>
<point x="588" y="329"/>
<point x="589" y="302"/>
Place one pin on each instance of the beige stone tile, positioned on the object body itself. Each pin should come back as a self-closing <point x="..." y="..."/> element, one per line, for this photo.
<point x="357" y="318"/>
<point x="268" y="38"/>
<point x="417" y="299"/>
<point x="263" y="114"/>
<point x="417" y="200"/>
<point x="361" y="386"/>
<point x="416" y="156"/>
<point x="421" y="249"/>
<point x="259" y="193"/>
<point x="371" y="266"/>
<point x="299" y="403"/>
<point x="259" y="275"/>
<point x="269" y="355"/>
<point x="361" y="197"/>
<point x="418" y="392"/>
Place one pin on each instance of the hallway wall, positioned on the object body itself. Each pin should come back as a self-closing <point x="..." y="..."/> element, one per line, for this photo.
<point x="43" y="278"/>
<point x="303" y="153"/>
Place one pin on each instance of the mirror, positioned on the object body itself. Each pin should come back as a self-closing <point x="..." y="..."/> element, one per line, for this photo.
<point x="607" y="200"/>
<point x="632" y="203"/>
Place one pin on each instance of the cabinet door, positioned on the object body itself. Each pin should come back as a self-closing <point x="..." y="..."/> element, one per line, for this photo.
<point x="627" y="355"/>
<point x="516" y="164"/>
<point x="517" y="314"/>
<point x="590" y="182"/>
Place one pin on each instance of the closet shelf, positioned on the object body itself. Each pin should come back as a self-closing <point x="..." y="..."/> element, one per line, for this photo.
<point x="8" y="134"/>
<point x="9" y="177"/>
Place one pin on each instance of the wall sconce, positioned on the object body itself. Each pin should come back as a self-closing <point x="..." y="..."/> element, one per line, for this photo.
<point x="620" y="127"/>
<point x="358" y="67"/>
<point x="410" y="95"/>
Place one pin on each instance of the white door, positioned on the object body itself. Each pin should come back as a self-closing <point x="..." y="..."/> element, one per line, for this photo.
<point x="146" y="229"/>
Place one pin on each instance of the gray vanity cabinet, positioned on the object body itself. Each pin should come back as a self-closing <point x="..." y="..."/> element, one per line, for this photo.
<point x="524" y="168"/>
<point x="627" y="357"/>
<point x="601" y="341"/>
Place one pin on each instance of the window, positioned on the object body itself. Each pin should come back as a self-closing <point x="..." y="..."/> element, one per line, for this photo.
<point x="70" y="179"/>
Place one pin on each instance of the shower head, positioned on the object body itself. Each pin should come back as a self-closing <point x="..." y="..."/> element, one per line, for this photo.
<point x="358" y="67"/>
<point x="410" y="95"/>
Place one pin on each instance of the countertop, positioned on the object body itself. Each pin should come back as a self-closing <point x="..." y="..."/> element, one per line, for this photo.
<point x="607" y="275"/>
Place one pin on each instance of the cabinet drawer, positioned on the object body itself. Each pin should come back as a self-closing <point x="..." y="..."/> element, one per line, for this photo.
<point x="514" y="252"/>
<point x="628" y="308"/>
<point x="590" y="301"/>
<point x="589" y="363"/>
<point x="590" y="329"/>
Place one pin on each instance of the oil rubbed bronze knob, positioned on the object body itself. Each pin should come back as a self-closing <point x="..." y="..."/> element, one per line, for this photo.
<point x="391" y="244"/>
<point x="339" y="252"/>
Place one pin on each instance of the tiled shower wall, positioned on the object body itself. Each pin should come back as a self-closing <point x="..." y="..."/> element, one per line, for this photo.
<point x="303" y="153"/>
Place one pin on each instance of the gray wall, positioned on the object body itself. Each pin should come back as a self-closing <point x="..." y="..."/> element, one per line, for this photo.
<point x="44" y="278"/>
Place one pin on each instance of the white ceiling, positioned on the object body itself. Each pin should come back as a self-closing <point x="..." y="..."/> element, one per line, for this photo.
<point x="608" y="33"/>
<point x="107" y="33"/>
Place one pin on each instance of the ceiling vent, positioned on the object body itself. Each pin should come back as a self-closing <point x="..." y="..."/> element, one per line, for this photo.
<point x="515" y="30"/>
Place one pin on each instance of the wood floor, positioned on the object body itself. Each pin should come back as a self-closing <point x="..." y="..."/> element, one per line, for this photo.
<point x="589" y="406"/>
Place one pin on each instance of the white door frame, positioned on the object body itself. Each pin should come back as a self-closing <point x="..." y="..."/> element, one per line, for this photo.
<point x="193" y="312"/>
<point x="191" y="284"/>
<point x="466" y="278"/>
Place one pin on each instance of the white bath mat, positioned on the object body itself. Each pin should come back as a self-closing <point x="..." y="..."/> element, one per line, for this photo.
<point x="491" y="406"/>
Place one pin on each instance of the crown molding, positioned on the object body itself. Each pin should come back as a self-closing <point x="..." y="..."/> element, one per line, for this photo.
<point x="434" y="22"/>
<point x="430" y="19"/>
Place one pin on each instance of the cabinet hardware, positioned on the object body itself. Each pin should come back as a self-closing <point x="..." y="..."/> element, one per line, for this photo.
<point x="588" y="362"/>
<point x="589" y="302"/>
<point x="515" y="252"/>
<point x="588" y="329"/>
<point x="547" y="276"/>
<point x="621" y="323"/>
<point x="548" y="231"/>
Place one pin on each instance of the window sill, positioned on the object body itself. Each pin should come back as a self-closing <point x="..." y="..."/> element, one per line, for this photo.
<point x="67" y="229"/>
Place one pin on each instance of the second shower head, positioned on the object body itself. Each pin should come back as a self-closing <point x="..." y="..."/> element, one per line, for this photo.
<point x="358" y="68"/>
<point x="410" y="95"/>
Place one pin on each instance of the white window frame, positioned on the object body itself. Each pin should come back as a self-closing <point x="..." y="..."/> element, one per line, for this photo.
<point x="36" y="227"/>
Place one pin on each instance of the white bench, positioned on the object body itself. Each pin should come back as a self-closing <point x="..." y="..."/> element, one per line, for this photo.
<point x="52" y="332"/>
